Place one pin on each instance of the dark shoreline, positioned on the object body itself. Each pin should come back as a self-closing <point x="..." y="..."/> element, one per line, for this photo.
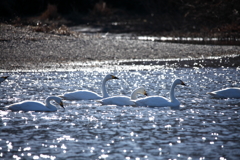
<point x="24" y="48"/>
<point x="218" y="19"/>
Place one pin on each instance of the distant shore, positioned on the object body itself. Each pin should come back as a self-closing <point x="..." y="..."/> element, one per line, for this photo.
<point x="28" y="48"/>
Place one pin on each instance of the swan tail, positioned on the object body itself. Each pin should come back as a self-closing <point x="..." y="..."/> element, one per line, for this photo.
<point x="211" y="93"/>
<point x="99" y="101"/>
<point x="3" y="108"/>
<point x="61" y="96"/>
<point x="134" y="104"/>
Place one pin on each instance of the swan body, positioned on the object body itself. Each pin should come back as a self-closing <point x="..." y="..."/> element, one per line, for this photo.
<point x="3" y="78"/>
<point x="123" y="100"/>
<point x="158" y="101"/>
<point x="81" y="95"/>
<point x="36" y="106"/>
<point x="89" y="95"/>
<point x="226" y="93"/>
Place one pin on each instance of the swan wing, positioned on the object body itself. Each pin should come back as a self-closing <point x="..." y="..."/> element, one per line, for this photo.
<point x="117" y="100"/>
<point x="153" y="101"/>
<point x="226" y="93"/>
<point x="28" y="106"/>
<point x="81" y="95"/>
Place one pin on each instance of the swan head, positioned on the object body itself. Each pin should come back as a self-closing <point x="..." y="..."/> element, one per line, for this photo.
<point x="179" y="81"/>
<point x="59" y="101"/>
<point x="141" y="90"/>
<point x="111" y="77"/>
<point x="5" y="77"/>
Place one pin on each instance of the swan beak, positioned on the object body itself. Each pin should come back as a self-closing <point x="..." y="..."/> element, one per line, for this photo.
<point x="5" y="77"/>
<point x="114" y="77"/>
<point x="183" y="83"/>
<point x="145" y="93"/>
<point x="61" y="104"/>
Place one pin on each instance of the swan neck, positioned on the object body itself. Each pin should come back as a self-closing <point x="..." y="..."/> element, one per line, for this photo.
<point x="104" y="91"/>
<point x="172" y="96"/>
<point x="134" y="94"/>
<point x="49" y="105"/>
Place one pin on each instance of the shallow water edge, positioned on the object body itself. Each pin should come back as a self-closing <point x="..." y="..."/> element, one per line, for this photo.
<point x="134" y="64"/>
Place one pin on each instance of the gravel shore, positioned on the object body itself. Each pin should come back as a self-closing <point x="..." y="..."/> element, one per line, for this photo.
<point x="23" y="48"/>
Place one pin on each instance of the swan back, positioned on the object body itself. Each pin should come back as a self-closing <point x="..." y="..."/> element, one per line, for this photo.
<point x="117" y="100"/>
<point x="81" y="95"/>
<point x="226" y="93"/>
<point x="27" y="106"/>
<point x="153" y="101"/>
<point x="122" y="100"/>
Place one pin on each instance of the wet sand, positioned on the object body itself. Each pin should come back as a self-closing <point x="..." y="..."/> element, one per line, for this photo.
<point x="23" y="48"/>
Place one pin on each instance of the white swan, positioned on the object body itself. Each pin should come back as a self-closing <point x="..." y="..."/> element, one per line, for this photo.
<point x="123" y="100"/>
<point x="36" y="106"/>
<point x="89" y="95"/>
<point x="226" y="93"/>
<point x="3" y="78"/>
<point x="158" y="101"/>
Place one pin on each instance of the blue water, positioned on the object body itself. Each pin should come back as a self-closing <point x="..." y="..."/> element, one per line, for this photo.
<point x="203" y="128"/>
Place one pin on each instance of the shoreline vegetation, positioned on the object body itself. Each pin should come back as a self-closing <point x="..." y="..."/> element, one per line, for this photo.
<point x="185" y="18"/>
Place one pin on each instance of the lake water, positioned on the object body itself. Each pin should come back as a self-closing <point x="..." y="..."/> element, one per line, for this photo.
<point x="203" y="128"/>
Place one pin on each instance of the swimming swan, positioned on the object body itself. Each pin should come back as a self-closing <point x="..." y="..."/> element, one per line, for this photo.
<point x="226" y="93"/>
<point x="158" y="101"/>
<point x="89" y="95"/>
<point x="36" y="106"/>
<point x="3" y="78"/>
<point x="123" y="100"/>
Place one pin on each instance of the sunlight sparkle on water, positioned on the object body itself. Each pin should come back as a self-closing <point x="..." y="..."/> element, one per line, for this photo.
<point x="87" y="130"/>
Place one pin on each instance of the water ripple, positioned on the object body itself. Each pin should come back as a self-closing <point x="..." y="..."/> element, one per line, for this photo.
<point x="203" y="128"/>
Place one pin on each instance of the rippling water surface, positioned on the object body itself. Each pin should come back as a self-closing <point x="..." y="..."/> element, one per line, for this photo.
<point x="204" y="128"/>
